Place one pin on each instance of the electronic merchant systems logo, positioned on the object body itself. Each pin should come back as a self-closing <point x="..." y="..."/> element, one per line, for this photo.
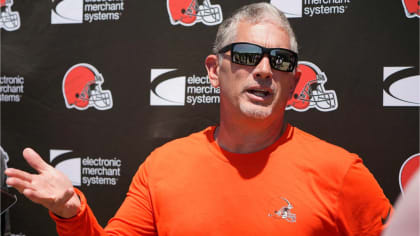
<point x="190" y="12"/>
<point x="82" y="88"/>
<point x="401" y="87"/>
<point x="11" y="88"/>
<point x="86" y="170"/>
<point x="170" y="88"/>
<point x="9" y="20"/>
<point x="81" y="11"/>
<point x="300" y="8"/>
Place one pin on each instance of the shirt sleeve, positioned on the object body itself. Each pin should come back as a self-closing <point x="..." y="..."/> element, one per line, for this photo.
<point x="134" y="217"/>
<point x="84" y="223"/>
<point x="363" y="208"/>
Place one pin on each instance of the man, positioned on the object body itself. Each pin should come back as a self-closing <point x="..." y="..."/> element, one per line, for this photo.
<point x="251" y="175"/>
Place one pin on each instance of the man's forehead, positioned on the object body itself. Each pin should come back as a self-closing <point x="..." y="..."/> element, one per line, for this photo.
<point x="265" y="33"/>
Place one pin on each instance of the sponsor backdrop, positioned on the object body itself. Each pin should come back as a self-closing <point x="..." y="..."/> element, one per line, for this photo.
<point x="95" y="85"/>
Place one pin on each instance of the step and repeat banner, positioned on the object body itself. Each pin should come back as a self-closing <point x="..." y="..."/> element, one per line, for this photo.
<point x="95" y="85"/>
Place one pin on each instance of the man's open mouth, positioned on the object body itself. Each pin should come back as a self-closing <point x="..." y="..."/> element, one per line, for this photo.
<point x="259" y="92"/>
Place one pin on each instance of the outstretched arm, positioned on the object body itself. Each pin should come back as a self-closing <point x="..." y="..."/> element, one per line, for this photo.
<point x="54" y="190"/>
<point x="50" y="188"/>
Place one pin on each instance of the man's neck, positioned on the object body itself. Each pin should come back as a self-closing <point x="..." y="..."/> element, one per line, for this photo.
<point x="244" y="138"/>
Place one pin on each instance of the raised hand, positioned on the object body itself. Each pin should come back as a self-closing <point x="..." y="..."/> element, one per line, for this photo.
<point x="50" y="187"/>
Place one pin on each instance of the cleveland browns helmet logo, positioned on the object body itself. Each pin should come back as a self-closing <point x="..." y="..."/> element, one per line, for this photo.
<point x="310" y="91"/>
<point x="9" y="20"/>
<point x="408" y="169"/>
<point x="82" y="88"/>
<point x="411" y="8"/>
<point x="189" y="12"/>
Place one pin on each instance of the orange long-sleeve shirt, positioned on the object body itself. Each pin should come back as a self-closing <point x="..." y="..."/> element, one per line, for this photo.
<point x="300" y="185"/>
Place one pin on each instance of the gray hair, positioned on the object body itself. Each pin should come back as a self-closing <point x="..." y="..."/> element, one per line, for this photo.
<point x="252" y="13"/>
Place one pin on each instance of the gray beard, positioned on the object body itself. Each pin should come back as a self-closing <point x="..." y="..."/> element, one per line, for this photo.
<point x="254" y="112"/>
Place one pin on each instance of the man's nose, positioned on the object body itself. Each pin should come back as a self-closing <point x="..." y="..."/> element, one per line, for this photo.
<point x="263" y="69"/>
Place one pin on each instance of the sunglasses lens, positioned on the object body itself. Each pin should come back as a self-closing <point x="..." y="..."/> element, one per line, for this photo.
<point x="246" y="54"/>
<point x="282" y="60"/>
<point x="251" y="55"/>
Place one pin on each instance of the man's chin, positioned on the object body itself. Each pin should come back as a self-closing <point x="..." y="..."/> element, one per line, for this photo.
<point x="256" y="112"/>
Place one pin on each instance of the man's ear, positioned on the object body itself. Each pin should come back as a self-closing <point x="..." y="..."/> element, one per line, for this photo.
<point x="212" y="66"/>
<point x="296" y="78"/>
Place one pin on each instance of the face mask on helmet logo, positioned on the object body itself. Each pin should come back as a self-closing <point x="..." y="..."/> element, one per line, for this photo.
<point x="310" y="91"/>
<point x="189" y="12"/>
<point x="82" y="88"/>
<point x="9" y="20"/>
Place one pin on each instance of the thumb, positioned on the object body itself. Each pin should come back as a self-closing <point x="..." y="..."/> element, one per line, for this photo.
<point x="35" y="160"/>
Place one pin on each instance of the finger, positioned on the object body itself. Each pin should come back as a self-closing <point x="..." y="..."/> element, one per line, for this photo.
<point x="35" y="160"/>
<point x="18" y="184"/>
<point x="12" y="172"/>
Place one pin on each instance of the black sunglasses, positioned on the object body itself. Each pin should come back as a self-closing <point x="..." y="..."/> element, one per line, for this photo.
<point x="251" y="54"/>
